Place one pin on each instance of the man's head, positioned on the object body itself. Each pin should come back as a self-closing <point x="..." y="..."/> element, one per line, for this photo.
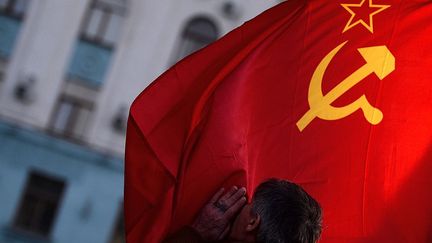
<point x="280" y="211"/>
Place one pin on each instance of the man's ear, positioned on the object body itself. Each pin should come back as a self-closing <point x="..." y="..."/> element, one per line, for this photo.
<point x="253" y="223"/>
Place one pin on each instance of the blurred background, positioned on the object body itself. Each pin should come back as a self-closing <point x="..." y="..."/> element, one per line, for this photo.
<point x="69" y="69"/>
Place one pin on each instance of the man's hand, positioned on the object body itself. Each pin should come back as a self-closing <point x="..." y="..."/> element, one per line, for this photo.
<point x="213" y="222"/>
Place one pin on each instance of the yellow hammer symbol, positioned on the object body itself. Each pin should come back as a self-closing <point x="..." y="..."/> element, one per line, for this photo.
<point x="379" y="60"/>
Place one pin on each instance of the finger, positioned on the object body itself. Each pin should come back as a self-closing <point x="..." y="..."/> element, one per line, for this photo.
<point x="235" y="208"/>
<point x="235" y="197"/>
<point x="217" y="195"/>
<point x="227" y="195"/>
<point x="224" y="233"/>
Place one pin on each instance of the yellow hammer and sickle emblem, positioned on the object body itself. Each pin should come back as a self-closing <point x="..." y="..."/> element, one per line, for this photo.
<point x="379" y="60"/>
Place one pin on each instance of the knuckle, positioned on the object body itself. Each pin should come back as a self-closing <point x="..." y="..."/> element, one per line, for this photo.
<point x="220" y="219"/>
<point x="230" y="212"/>
<point x="228" y="201"/>
<point x="217" y="218"/>
<point x="220" y="222"/>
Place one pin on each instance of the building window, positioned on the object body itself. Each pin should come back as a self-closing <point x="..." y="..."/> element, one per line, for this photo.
<point x="11" y="14"/>
<point x="103" y="21"/>
<point x="198" y="33"/>
<point x="1" y="75"/>
<point x="119" y="230"/>
<point x="2" y="70"/>
<point x="39" y="204"/>
<point x="13" y="8"/>
<point x="100" y="33"/>
<point x="71" y="118"/>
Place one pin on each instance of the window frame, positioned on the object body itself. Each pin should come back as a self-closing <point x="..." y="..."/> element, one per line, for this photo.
<point x="108" y="10"/>
<point x="29" y="190"/>
<point x="77" y="104"/>
<point x="119" y="219"/>
<point x="186" y="35"/>
<point x="3" y="67"/>
<point x="9" y="10"/>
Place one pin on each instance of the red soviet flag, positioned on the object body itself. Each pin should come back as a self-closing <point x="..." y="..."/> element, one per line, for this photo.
<point x="333" y="95"/>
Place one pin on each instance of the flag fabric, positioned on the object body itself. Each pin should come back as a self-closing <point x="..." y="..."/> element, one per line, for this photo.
<point x="333" y="95"/>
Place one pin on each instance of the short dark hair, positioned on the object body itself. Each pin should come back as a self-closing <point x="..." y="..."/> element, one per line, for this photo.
<point x="288" y="213"/>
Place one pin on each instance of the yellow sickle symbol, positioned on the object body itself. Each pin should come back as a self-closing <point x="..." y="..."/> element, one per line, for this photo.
<point x="379" y="60"/>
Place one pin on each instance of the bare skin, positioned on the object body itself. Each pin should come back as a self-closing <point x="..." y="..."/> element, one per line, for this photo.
<point x="214" y="221"/>
<point x="245" y="225"/>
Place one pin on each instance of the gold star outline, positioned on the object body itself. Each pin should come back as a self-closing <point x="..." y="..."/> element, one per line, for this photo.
<point x="369" y="26"/>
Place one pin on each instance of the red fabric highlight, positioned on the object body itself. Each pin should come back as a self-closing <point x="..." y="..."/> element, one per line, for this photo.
<point x="227" y="115"/>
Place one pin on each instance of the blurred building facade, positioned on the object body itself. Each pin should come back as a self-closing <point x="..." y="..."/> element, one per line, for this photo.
<point x="69" y="69"/>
